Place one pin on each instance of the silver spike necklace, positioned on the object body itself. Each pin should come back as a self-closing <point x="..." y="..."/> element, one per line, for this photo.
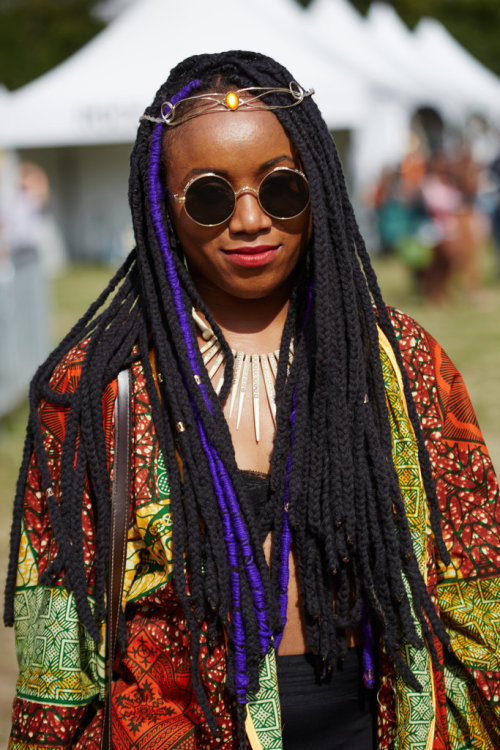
<point x="262" y="368"/>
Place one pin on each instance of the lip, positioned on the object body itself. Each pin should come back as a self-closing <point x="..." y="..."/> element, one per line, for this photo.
<point x="252" y="256"/>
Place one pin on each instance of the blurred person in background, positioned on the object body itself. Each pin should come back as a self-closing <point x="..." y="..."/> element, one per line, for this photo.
<point x="405" y="226"/>
<point x="28" y="221"/>
<point x="442" y="199"/>
<point x="314" y="565"/>
<point x="472" y="224"/>
<point x="390" y="211"/>
<point x="495" y="172"/>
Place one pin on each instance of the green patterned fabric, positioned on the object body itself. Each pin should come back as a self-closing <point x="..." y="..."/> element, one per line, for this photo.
<point x="264" y="707"/>
<point x="414" y="710"/>
<point x="58" y="661"/>
<point x="474" y="604"/>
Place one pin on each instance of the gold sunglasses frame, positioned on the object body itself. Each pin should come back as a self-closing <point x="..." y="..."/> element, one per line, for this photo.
<point x="245" y="189"/>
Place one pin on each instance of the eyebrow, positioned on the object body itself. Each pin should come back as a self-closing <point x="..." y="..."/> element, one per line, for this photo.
<point x="223" y="173"/>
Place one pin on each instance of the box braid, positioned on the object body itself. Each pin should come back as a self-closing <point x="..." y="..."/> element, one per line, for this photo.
<point x="334" y="488"/>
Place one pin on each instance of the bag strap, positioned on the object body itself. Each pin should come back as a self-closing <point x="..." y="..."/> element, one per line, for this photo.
<point x="120" y="501"/>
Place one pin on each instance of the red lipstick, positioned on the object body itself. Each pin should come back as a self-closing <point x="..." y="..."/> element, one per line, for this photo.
<point x="252" y="256"/>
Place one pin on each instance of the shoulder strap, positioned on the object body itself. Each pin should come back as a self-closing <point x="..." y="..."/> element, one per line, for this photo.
<point x="120" y="501"/>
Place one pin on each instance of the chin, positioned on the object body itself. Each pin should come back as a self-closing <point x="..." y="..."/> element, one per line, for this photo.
<point x="249" y="291"/>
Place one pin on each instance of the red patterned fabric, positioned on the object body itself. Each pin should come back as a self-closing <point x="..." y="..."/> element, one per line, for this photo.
<point x="465" y="479"/>
<point x="468" y="496"/>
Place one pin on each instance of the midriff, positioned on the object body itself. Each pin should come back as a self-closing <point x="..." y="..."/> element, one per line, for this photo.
<point x="294" y="637"/>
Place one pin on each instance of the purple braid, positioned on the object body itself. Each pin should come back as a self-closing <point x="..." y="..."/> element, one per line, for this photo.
<point x="240" y="659"/>
<point x="368" y="649"/>
<point x="232" y="507"/>
<point x="155" y="194"/>
<point x="235" y="532"/>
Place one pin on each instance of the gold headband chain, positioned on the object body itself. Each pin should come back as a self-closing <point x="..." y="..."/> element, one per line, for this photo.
<point x="229" y="102"/>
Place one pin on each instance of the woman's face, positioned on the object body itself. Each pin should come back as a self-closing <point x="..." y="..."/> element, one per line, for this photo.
<point x="251" y="255"/>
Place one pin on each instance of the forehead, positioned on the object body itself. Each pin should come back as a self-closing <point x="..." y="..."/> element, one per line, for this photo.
<point x="229" y="141"/>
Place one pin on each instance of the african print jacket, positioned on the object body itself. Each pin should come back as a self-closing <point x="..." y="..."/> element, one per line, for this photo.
<point x="61" y="683"/>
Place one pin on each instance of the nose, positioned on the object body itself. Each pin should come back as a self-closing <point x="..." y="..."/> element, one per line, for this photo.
<point x="248" y="216"/>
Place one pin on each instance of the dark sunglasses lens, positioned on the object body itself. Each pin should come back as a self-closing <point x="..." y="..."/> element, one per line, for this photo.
<point x="284" y="194"/>
<point x="209" y="200"/>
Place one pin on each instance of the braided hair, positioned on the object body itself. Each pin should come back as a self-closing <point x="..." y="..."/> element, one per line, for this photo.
<point x="334" y="489"/>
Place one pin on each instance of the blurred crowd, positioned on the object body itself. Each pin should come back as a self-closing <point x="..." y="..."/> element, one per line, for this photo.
<point x="31" y="252"/>
<point x="439" y="213"/>
<point x="27" y="223"/>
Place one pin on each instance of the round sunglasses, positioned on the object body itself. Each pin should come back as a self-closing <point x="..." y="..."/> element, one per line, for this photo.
<point x="210" y="200"/>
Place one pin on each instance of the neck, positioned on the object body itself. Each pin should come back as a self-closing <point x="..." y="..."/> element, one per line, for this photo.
<point x="251" y="325"/>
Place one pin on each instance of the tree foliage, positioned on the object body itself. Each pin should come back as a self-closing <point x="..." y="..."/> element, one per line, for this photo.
<point x="36" y="35"/>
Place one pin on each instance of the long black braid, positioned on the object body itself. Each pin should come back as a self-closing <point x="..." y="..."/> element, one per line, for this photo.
<point x="332" y="450"/>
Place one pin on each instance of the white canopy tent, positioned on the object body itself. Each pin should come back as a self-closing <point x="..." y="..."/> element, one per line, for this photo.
<point x="447" y="77"/>
<point x="382" y="137"/>
<point x="430" y="86"/>
<point x="97" y="95"/>
<point x="478" y="86"/>
<point x="342" y="31"/>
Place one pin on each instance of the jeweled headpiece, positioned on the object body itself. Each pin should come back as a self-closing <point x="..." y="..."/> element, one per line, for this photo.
<point x="171" y="114"/>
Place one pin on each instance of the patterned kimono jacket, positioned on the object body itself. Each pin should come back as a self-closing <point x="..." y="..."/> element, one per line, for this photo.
<point x="61" y="683"/>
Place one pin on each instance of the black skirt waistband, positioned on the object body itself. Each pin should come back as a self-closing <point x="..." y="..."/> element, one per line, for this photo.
<point x="334" y="713"/>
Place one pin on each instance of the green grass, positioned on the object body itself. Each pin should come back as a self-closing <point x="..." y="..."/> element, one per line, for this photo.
<point x="71" y="294"/>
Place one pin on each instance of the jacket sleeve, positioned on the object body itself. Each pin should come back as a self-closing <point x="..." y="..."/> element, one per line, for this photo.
<point x="61" y="682"/>
<point x="60" y="667"/>
<point x="468" y="589"/>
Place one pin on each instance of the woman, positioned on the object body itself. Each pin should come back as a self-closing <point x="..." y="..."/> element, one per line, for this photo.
<point x="281" y="504"/>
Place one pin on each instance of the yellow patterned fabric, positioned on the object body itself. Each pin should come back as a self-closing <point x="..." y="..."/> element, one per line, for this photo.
<point x="459" y="706"/>
<point x="414" y="710"/>
<point x="474" y="607"/>
<point x="149" y="547"/>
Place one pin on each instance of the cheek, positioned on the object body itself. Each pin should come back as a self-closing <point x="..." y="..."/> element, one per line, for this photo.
<point x="191" y="236"/>
<point x="199" y="246"/>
